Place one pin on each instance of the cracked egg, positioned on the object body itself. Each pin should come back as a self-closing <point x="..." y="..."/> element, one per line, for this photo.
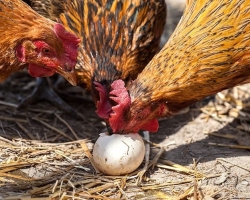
<point x="118" y="154"/>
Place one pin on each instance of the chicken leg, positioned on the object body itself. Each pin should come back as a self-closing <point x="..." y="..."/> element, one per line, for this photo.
<point x="149" y="163"/>
<point x="44" y="91"/>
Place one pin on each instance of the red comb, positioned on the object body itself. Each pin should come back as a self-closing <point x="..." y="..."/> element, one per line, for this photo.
<point x="122" y="98"/>
<point x="103" y="106"/>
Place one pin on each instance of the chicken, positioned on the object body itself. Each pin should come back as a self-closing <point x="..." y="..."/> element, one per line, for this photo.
<point x="118" y="39"/>
<point x="32" y="41"/>
<point x="44" y="90"/>
<point x="208" y="52"/>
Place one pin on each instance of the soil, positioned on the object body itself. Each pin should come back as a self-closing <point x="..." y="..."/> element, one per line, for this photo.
<point x="184" y="136"/>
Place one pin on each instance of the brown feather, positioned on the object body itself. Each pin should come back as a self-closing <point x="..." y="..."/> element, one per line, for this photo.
<point x="208" y="52"/>
<point x="118" y="37"/>
<point x="48" y="8"/>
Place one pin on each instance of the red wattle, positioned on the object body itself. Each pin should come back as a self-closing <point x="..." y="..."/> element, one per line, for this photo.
<point x="39" y="71"/>
<point x="151" y="126"/>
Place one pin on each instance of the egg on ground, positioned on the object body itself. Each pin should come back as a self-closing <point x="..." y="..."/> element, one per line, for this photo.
<point x="118" y="154"/>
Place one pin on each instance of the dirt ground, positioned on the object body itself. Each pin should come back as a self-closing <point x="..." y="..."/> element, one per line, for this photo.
<point x="187" y="139"/>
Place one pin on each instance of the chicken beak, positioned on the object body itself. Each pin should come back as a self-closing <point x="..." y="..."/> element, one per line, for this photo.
<point x="110" y="131"/>
<point x="69" y="76"/>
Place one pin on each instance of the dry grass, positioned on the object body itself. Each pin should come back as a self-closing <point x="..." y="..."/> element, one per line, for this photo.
<point x="46" y="155"/>
<point x="31" y="169"/>
<point x="44" y="167"/>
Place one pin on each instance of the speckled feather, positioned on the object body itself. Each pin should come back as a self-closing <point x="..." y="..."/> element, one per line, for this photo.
<point x="18" y="22"/>
<point x="209" y="51"/>
<point x="118" y="37"/>
<point x="48" y="8"/>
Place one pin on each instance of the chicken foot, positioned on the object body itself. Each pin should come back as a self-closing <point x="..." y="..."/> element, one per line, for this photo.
<point x="44" y="91"/>
<point x="148" y="164"/>
<point x="141" y="173"/>
<point x="82" y="97"/>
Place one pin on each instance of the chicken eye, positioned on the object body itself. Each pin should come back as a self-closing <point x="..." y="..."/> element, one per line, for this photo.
<point x="139" y="117"/>
<point x="46" y="50"/>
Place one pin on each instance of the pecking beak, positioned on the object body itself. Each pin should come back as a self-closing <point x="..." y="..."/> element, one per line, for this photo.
<point x="110" y="131"/>
<point x="70" y="76"/>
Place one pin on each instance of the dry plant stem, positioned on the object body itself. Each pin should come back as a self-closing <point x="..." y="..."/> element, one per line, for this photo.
<point x="153" y="163"/>
<point x="179" y="168"/>
<point x="230" y="146"/>
<point x="213" y="115"/>
<point x="195" y="183"/>
<point x="8" y="141"/>
<point x="13" y="119"/>
<point x="8" y="104"/>
<point x="186" y="193"/>
<point x="41" y="111"/>
<point x="15" y="177"/>
<point x="152" y="143"/>
<point x="17" y="165"/>
<point x="71" y="160"/>
<point x="69" y="127"/>
<point x="53" y="128"/>
<point x="89" y="196"/>
<point x="9" y="169"/>
<point x="244" y="127"/>
<point x="101" y="188"/>
<point x="228" y="136"/>
<point x="163" y="185"/>
<point x="25" y="197"/>
<point x="92" y="184"/>
<point x="220" y="159"/>
<point x="37" y="142"/>
<point x="38" y="190"/>
<point x="54" y="187"/>
<point x="122" y="191"/>
<point x="88" y="154"/>
<point x="25" y="131"/>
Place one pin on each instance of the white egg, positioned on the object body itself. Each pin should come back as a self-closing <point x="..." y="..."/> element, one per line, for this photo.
<point x="118" y="154"/>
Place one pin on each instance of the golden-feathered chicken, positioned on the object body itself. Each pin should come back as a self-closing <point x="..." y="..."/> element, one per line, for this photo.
<point x="29" y="40"/>
<point x="118" y="39"/>
<point x="208" y="52"/>
<point x="43" y="91"/>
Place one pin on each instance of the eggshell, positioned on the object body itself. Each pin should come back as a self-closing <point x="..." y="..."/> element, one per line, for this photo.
<point x="118" y="154"/>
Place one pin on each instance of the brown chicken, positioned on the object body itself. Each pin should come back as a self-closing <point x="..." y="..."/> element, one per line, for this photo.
<point x="30" y="40"/>
<point x="43" y="90"/>
<point x="118" y="39"/>
<point x="208" y="52"/>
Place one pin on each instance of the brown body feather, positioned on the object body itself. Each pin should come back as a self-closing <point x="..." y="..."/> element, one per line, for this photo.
<point x="48" y="8"/>
<point x="118" y="37"/>
<point x="208" y="52"/>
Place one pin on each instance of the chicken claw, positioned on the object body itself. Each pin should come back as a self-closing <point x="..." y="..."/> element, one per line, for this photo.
<point x="148" y="164"/>
<point x="141" y="173"/>
<point x="43" y="91"/>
